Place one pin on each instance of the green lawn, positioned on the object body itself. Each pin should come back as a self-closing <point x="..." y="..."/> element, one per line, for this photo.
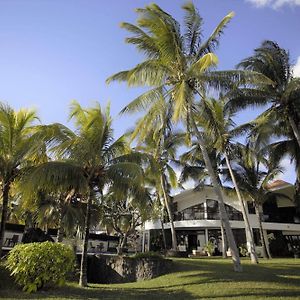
<point x="191" y="279"/>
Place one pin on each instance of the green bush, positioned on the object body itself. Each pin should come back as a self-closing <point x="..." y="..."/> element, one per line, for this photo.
<point x="35" y="265"/>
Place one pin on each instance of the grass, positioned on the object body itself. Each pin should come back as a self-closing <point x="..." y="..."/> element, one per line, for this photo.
<point x="190" y="279"/>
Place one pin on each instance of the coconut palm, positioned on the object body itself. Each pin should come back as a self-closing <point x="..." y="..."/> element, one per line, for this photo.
<point x="90" y="162"/>
<point x="219" y="125"/>
<point x="48" y="190"/>
<point x="253" y="182"/>
<point x="283" y="95"/>
<point x="194" y="169"/>
<point x="21" y="145"/>
<point x="179" y="66"/>
<point x="155" y="137"/>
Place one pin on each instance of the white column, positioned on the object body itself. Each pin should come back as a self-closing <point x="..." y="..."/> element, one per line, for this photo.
<point x="206" y="235"/>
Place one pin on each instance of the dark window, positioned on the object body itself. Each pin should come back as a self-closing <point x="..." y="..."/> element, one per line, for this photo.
<point x="192" y="213"/>
<point x="233" y="214"/>
<point x="256" y="237"/>
<point x="212" y="209"/>
<point x="251" y="208"/>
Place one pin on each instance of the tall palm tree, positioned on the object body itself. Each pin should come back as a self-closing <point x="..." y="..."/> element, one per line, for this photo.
<point x="220" y="126"/>
<point x="253" y="182"/>
<point x="179" y="66"/>
<point x="194" y="169"/>
<point x="283" y="95"/>
<point x="20" y="143"/>
<point x="155" y="137"/>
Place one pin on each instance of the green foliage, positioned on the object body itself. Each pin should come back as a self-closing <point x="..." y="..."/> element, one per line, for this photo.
<point x="243" y="250"/>
<point x="150" y="254"/>
<point x="37" y="264"/>
<point x="209" y="248"/>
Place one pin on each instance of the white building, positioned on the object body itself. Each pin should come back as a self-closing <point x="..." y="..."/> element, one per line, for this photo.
<point x="197" y="221"/>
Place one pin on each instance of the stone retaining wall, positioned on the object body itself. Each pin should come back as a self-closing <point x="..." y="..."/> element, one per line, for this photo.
<point x="118" y="269"/>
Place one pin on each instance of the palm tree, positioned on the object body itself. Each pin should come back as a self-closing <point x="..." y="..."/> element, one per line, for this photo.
<point x="194" y="169"/>
<point x="253" y="182"/>
<point x="90" y="162"/>
<point x="283" y="95"/>
<point x="102" y="160"/>
<point x="178" y="65"/>
<point x="155" y="138"/>
<point x="48" y="190"/>
<point x="20" y="144"/>
<point x="219" y="125"/>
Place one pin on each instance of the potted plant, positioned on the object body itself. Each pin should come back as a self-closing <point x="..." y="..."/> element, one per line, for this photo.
<point x="209" y="248"/>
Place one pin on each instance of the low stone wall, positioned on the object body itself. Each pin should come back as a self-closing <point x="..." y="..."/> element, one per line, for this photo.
<point x="118" y="269"/>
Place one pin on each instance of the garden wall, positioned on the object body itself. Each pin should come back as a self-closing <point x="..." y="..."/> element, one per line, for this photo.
<point x="118" y="269"/>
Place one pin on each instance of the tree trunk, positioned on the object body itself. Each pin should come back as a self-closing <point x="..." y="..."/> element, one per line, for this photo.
<point x="224" y="218"/>
<point x="83" y="264"/>
<point x="295" y="129"/>
<point x="163" y="233"/>
<point x="122" y="244"/>
<point x="167" y="203"/>
<point x="248" y="229"/>
<point x="261" y="233"/>
<point x="162" y="219"/>
<point x="60" y="229"/>
<point x="224" y="247"/>
<point x="5" y="196"/>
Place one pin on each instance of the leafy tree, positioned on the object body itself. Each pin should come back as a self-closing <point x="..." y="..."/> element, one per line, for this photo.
<point x="21" y="144"/>
<point x="126" y="211"/>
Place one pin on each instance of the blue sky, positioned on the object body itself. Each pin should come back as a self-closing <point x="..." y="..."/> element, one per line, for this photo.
<point x="53" y="51"/>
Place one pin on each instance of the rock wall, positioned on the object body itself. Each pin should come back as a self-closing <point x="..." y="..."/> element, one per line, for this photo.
<point x="118" y="269"/>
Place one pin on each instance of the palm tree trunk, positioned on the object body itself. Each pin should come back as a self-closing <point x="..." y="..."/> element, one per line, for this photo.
<point x="83" y="264"/>
<point x="261" y="233"/>
<point x="5" y="196"/>
<point x="224" y="248"/>
<point x="295" y="129"/>
<point x="224" y="218"/>
<point x="60" y="230"/>
<point x="167" y="203"/>
<point x="163" y="232"/>
<point x="248" y="229"/>
<point x="162" y="219"/>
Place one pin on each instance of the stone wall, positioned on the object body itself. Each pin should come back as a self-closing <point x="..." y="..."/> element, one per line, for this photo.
<point x="118" y="269"/>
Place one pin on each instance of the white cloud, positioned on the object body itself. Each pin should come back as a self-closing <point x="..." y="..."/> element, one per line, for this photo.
<point x="289" y="174"/>
<point x="275" y="4"/>
<point x="296" y="68"/>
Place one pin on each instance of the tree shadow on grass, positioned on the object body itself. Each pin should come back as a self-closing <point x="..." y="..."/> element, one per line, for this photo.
<point x="99" y="293"/>
<point x="281" y="280"/>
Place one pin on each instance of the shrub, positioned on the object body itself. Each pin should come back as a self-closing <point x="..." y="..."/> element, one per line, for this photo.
<point x="38" y="264"/>
<point x="209" y="248"/>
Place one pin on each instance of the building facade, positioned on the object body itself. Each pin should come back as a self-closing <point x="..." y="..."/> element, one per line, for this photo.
<point x="197" y="221"/>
